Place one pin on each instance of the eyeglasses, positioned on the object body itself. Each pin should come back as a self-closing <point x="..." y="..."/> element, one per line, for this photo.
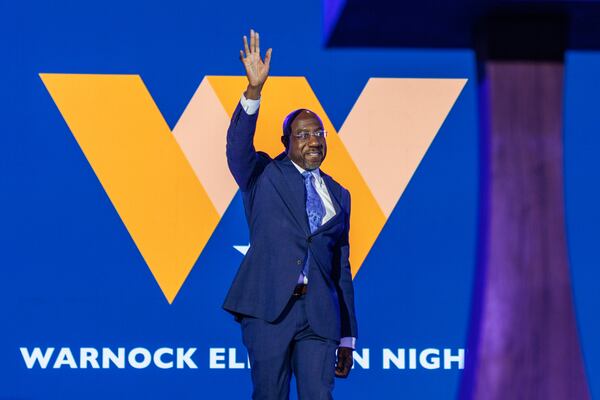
<point x="304" y="135"/>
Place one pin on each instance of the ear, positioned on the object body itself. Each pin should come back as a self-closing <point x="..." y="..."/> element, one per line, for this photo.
<point x="286" y="141"/>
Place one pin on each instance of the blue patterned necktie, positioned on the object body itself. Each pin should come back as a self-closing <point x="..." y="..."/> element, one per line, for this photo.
<point x="315" y="210"/>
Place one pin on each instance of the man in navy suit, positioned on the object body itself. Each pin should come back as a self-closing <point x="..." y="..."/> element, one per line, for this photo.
<point x="293" y="293"/>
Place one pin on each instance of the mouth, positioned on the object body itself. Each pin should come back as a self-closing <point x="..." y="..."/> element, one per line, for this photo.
<point x="313" y="154"/>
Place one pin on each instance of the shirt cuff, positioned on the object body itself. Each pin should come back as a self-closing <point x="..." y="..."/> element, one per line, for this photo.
<point x="348" y="342"/>
<point x="249" y="105"/>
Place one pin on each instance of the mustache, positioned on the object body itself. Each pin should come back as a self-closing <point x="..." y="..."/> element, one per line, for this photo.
<point x="320" y="149"/>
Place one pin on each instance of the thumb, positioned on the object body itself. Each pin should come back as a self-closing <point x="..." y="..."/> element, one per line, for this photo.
<point x="268" y="57"/>
<point x="340" y="361"/>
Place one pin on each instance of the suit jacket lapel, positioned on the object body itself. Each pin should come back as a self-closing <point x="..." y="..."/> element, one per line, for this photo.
<point x="335" y="192"/>
<point x="292" y="191"/>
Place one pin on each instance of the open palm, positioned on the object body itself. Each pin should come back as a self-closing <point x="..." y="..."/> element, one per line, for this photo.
<point x="257" y="70"/>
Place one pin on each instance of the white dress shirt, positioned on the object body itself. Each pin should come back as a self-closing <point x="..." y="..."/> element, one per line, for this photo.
<point x="250" y="106"/>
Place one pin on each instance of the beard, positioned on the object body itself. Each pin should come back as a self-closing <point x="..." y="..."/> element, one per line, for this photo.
<point x="313" y="160"/>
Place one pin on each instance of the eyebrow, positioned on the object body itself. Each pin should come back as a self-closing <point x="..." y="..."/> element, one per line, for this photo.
<point x="319" y="127"/>
<point x="308" y="130"/>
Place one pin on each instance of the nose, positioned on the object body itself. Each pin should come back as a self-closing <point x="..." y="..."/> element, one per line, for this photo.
<point x="314" y="141"/>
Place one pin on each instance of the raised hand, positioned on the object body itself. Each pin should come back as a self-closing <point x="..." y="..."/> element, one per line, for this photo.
<point x="257" y="70"/>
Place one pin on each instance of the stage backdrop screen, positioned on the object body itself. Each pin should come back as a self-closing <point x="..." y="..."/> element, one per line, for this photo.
<point x="122" y="228"/>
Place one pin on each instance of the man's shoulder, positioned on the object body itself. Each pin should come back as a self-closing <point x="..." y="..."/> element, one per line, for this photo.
<point x="264" y="156"/>
<point x="271" y="166"/>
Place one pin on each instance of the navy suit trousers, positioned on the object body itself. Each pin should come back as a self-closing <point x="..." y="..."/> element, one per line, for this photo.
<point x="289" y="346"/>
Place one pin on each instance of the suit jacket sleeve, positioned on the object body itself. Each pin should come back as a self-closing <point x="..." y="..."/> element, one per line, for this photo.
<point x="345" y="288"/>
<point x="244" y="162"/>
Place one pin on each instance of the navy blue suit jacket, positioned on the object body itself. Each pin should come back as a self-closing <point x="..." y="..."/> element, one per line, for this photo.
<point x="274" y="201"/>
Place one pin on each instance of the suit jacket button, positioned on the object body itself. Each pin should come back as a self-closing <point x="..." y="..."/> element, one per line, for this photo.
<point x="298" y="261"/>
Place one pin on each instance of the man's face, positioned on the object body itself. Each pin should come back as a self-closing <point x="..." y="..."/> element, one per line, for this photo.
<point x="307" y="153"/>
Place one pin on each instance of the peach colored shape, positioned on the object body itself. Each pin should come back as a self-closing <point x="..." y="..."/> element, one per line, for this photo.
<point x="201" y="134"/>
<point x="390" y="128"/>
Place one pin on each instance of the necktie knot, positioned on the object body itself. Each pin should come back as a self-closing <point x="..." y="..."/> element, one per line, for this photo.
<point x="307" y="176"/>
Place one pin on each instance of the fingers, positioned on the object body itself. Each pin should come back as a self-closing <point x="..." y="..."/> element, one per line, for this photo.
<point x="257" y="43"/>
<point x="246" y="46"/>
<point x="254" y="47"/>
<point x="339" y="368"/>
<point x="342" y="372"/>
<point x="344" y="362"/>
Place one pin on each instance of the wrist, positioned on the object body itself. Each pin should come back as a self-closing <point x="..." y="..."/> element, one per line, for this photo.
<point x="253" y="92"/>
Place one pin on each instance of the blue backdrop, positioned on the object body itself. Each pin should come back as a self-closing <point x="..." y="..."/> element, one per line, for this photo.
<point x="71" y="274"/>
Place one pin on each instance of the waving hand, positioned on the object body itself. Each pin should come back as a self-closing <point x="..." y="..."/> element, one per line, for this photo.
<point x="257" y="70"/>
